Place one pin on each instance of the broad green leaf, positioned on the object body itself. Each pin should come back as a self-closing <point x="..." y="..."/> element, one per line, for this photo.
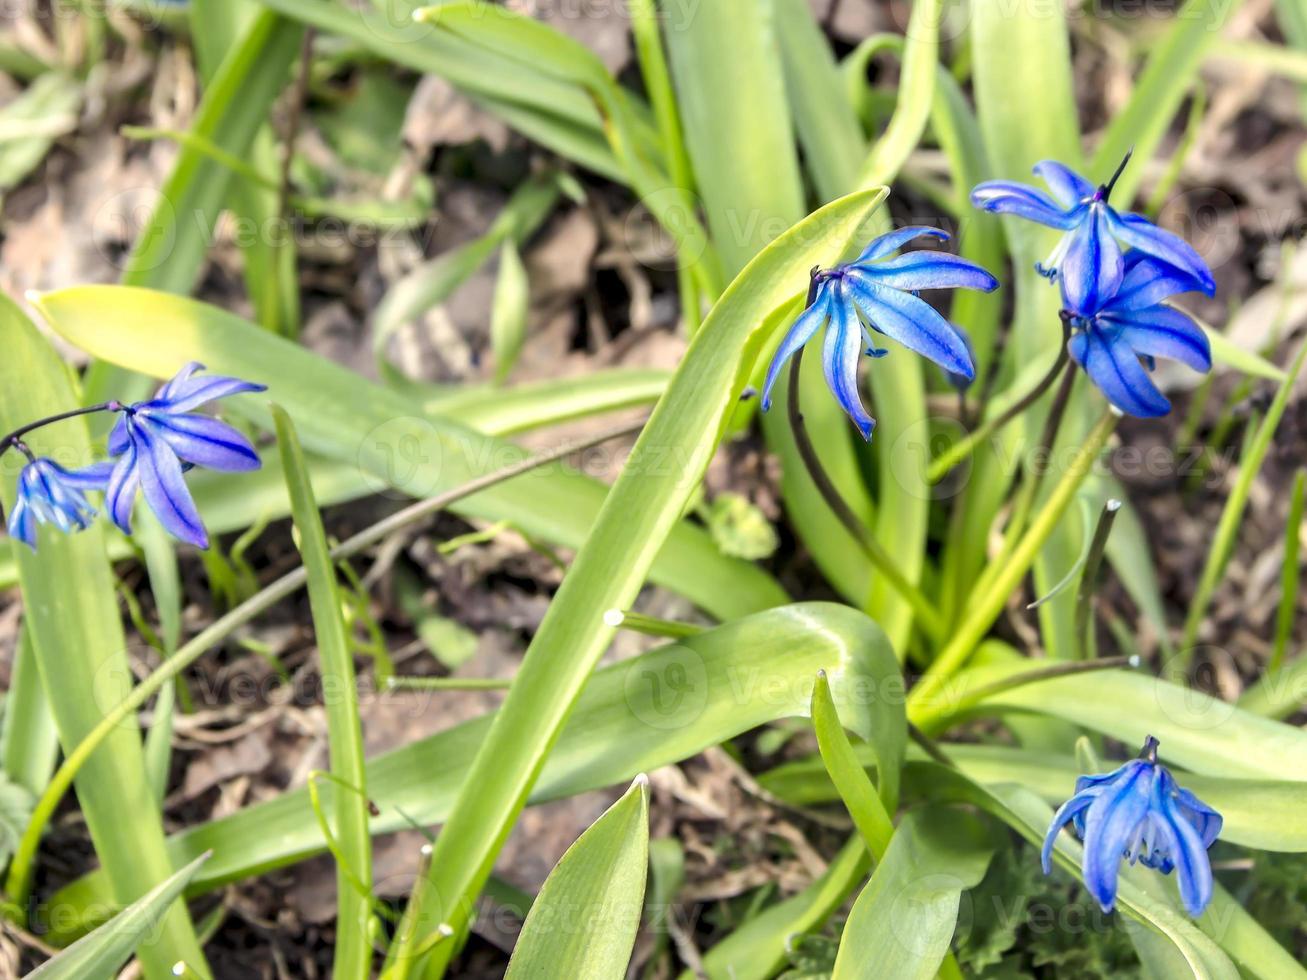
<point x="870" y="815"/>
<point x="77" y="636"/>
<point x="31" y="122"/>
<point x="170" y="249"/>
<point x="16" y="803"/>
<point x="353" y="951"/>
<point x="342" y="415"/>
<point x="508" y="318"/>
<point x="638" y="514"/>
<point x="99" y="955"/>
<point x="1246" y="942"/>
<point x="1227" y="352"/>
<point x="585" y="919"/>
<point x="902" y="923"/>
<point x="632" y="717"/>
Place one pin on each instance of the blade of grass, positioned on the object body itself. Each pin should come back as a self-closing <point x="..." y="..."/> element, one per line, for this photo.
<point x="1289" y="571"/>
<point x="78" y="640"/>
<point x="353" y="951"/>
<point x="850" y="779"/>
<point x="166" y="587"/>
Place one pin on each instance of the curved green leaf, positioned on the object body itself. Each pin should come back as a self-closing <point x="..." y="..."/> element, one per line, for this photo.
<point x="902" y="923"/>
<point x="584" y="921"/>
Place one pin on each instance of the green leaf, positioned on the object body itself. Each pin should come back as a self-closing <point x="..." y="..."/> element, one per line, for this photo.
<point x="77" y="636"/>
<point x="584" y="921"/>
<point x="99" y="955"/>
<point x="508" y="318"/>
<point x="902" y="923"/>
<point x="30" y="123"/>
<point x="632" y="717"/>
<point x="29" y="740"/>
<point x="353" y="951"/>
<point x="639" y="512"/>
<point x="1227" y="352"/>
<point x="366" y="426"/>
<point x="16" y="803"/>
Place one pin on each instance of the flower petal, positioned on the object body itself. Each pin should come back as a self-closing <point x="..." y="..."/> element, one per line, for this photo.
<point x="1009" y="197"/>
<point x="929" y="270"/>
<point x="1067" y="186"/>
<point x="911" y="321"/>
<point x="118" y="437"/>
<point x="204" y="441"/>
<point x="1205" y="820"/>
<point x="1065" y="812"/>
<point x="1161" y="331"/>
<point x="195" y="393"/>
<point x="120" y="494"/>
<point x="1114" y="367"/>
<point x="894" y="240"/>
<point x="169" y="390"/>
<point x="1147" y="282"/>
<point x="1111" y="825"/>
<point x="1189" y="854"/>
<point x="799" y="334"/>
<point x="93" y="477"/>
<point x="164" y="488"/>
<point x="840" y="362"/>
<point x="1092" y="268"/>
<point x="1138" y="232"/>
<point x="22" y="523"/>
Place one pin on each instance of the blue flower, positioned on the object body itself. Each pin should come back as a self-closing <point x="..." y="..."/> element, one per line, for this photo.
<point x="50" y="494"/>
<point x="1135" y="323"/>
<point x="882" y="295"/>
<point x="156" y="441"/>
<point x="1138" y="812"/>
<point x="1088" y="259"/>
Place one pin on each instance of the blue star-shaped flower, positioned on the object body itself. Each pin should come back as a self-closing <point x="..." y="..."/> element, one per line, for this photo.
<point x="1135" y="323"/>
<point x="156" y="441"/>
<point x="882" y="295"/>
<point x="50" y="494"/>
<point x="1088" y="259"/>
<point x="1139" y="812"/>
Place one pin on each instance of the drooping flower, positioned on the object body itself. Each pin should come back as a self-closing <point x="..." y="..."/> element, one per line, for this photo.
<point x="881" y="295"/>
<point x="1139" y="813"/>
<point x="1135" y="323"/>
<point x="50" y="494"/>
<point x="156" y="441"/>
<point x="1088" y="259"/>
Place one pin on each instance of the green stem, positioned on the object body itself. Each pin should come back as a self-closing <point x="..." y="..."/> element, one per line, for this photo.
<point x="1288" y="576"/>
<point x="988" y="604"/>
<point x="401" y="683"/>
<point x="960" y="450"/>
<point x="650" y="625"/>
<point x="880" y="559"/>
<point x="1089" y="576"/>
<point x="19" y="880"/>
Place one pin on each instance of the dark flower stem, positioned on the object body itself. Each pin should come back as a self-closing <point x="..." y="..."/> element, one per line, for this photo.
<point x="1039" y="674"/>
<point x="1089" y="578"/>
<point x="960" y="450"/>
<point x="1120" y="169"/>
<point x="1034" y="473"/>
<point x="15" y="439"/>
<point x="879" y="557"/>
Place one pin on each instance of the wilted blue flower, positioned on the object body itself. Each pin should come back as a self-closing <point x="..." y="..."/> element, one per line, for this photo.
<point x="1140" y="813"/>
<point x="1088" y="259"/>
<point x="882" y="295"/>
<point x="50" y="494"/>
<point x="157" y="440"/>
<point x="1135" y="323"/>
